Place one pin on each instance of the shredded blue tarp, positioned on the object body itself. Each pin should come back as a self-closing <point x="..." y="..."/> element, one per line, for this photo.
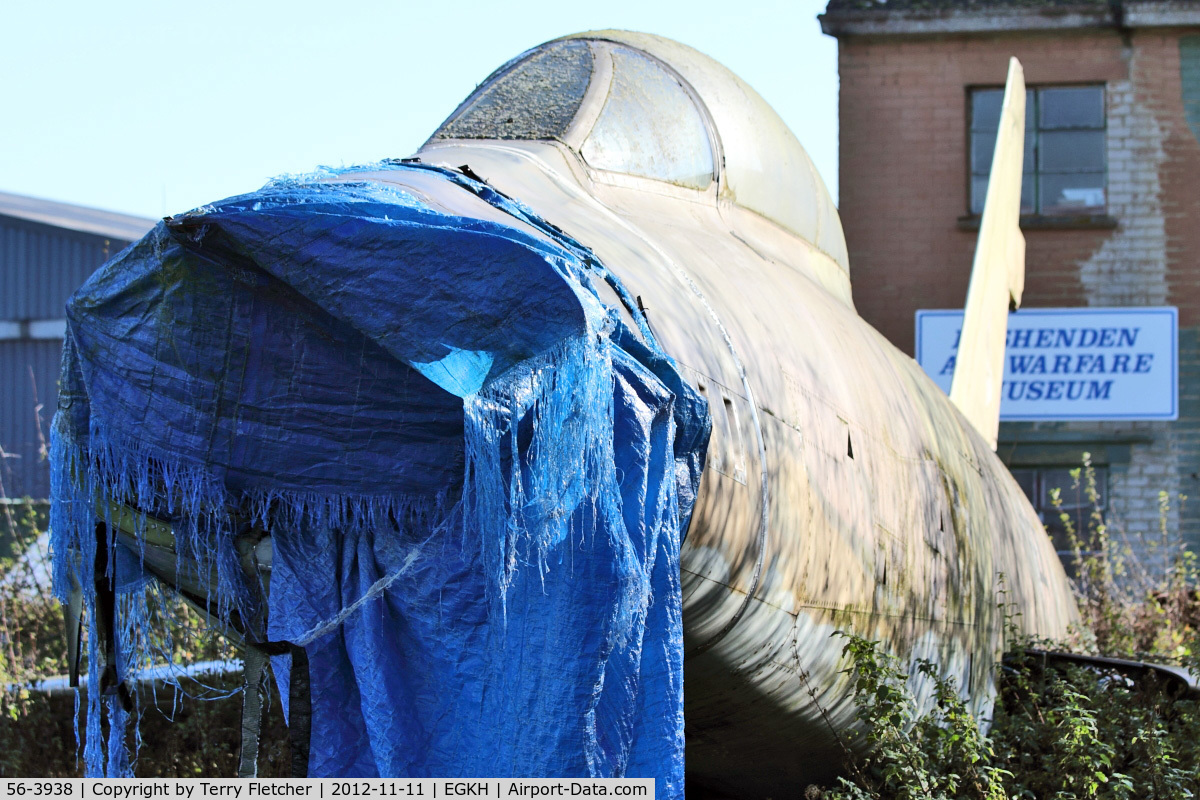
<point x="475" y="476"/>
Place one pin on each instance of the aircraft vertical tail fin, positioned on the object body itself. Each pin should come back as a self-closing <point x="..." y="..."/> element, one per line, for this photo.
<point x="998" y="274"/>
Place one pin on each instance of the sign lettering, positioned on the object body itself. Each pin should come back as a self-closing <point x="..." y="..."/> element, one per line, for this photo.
<point x="1071" y="363"/>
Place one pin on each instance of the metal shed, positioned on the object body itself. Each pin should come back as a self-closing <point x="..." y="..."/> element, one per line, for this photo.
<point x="47" y="249"/>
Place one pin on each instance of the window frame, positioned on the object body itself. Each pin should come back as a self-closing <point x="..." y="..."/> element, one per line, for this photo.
<point x="593" y="105"/>
<point x="587" y="114"/>
<point x="1036" y="129"/>
<point x="1079" y="513"/>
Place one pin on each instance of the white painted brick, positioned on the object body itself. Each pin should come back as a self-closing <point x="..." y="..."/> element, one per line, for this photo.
<point x="1130" y="266"/>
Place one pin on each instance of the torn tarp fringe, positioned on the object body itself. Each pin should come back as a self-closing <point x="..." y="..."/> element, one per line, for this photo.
<point x="475" y="477"/>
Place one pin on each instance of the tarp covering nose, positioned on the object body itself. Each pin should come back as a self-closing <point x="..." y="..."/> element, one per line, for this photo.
<point x="475" y="477"/>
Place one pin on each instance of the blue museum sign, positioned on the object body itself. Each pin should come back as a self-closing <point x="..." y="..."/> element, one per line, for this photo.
<point x="1072" y="363"/>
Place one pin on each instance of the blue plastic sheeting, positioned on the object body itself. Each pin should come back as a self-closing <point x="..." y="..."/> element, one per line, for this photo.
<point x="474" y="474"/>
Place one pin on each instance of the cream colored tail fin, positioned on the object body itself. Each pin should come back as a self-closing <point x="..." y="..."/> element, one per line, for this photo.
<point x="998" y="275"/>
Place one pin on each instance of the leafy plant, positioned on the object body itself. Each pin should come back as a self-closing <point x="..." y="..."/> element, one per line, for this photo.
<point x="939" y="754"/>
<point x="1058" y="733"/>
<point x="185" y="728"/>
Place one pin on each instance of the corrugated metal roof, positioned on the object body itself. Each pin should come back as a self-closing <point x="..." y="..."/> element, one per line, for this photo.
<point x="75" y="218"/>
<point x="47" y="249"/>
<point x="26" y="365"/>
<point x="40" y="266"/>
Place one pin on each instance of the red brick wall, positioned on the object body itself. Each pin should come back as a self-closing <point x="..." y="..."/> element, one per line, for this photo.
<point x="903" y="167"/>
<point x="1157" y="77"/>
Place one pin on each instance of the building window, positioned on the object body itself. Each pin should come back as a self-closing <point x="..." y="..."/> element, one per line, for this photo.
<point x="1064" y="148"/>
<point x="1074" y="500"/>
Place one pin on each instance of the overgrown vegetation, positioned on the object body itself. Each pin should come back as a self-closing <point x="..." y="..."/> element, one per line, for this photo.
<point x="187" y="728"/>
<point x="1057" y="733"/>
<point x="1060" y="732"/>
<point x="1066" y="734"/>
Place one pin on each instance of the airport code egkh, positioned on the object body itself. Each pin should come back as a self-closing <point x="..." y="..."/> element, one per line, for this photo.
<point x="321" y="788"/>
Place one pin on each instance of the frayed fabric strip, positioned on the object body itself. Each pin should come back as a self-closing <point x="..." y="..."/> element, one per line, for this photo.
<point x="479" y="564"/>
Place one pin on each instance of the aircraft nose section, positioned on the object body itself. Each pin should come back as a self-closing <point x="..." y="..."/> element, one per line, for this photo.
<point x="314" y="337"/>
<point x="473" y="476"/>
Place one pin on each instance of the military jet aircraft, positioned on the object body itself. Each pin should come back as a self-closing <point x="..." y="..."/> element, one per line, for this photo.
<point x="841" y="490"/>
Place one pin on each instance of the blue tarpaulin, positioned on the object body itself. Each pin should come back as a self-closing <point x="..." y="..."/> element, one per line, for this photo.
<point x="475" y="476"/>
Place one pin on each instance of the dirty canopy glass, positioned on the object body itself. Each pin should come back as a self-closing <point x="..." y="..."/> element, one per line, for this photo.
<point x="535" y="99"/>
<point x="473" y="476"/>
<point x="649" y="126"/>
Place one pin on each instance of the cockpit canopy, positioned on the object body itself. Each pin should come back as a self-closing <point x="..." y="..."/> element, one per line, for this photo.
<point x="649" y="107"/>
<point x="648" y="126"/>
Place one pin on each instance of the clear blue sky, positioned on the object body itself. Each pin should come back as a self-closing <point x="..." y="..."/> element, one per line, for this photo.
<point x="156" y="107"/>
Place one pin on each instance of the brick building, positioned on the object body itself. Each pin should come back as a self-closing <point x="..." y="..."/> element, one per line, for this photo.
<point x="1111" y="198"/>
